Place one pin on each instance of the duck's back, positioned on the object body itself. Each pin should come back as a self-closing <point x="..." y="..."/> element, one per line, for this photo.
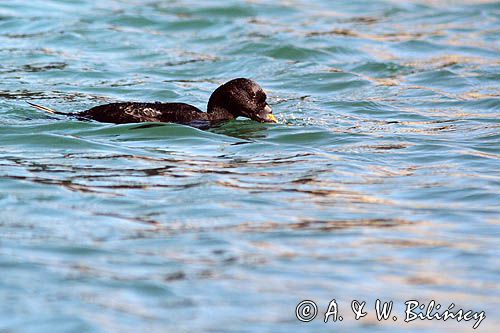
<point x="130" y="112"/>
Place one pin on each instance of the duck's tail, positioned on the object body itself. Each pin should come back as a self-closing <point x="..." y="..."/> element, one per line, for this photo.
<point x="43" y="108"/>
<point x="52" y="111"/>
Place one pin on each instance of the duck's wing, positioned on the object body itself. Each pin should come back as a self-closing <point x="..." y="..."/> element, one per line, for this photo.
<point x="121" y="113"/>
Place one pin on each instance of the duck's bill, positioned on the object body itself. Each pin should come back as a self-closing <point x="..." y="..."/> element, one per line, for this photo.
<point x="267" y="116"/>
<point x="270" y="118"/>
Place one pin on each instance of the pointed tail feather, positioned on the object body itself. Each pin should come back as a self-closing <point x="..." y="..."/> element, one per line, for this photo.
<point x="44" y="108"/>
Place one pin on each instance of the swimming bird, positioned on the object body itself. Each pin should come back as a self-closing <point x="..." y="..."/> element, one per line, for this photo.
<point x="238" y="97"/>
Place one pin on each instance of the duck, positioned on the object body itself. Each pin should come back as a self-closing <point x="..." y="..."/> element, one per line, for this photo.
<point x="240" y="97"/>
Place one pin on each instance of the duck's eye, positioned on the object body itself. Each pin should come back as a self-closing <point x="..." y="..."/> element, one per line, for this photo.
<point x="261" y="98"/>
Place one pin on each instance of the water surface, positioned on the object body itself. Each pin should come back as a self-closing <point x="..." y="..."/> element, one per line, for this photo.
<point x="382" y="179"/>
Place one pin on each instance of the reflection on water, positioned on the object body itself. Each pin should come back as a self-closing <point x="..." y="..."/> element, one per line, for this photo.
<point x="379" y="181"/>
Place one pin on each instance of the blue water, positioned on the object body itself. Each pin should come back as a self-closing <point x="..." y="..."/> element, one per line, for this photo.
<point x="381" y="179"/>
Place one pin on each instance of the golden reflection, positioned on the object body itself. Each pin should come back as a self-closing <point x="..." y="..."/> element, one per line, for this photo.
<point x="308" y="225"/>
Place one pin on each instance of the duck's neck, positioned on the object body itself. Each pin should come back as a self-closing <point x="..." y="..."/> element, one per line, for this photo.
<point x="219" y="114"/>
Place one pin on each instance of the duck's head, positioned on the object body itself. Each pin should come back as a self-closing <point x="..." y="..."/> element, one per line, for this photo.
<point x="241" y="98"/>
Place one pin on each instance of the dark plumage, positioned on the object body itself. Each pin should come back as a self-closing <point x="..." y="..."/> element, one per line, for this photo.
<point x="238" y="97"/>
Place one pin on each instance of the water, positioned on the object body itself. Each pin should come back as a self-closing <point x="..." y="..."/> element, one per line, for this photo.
<point x="380" y="181"/>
